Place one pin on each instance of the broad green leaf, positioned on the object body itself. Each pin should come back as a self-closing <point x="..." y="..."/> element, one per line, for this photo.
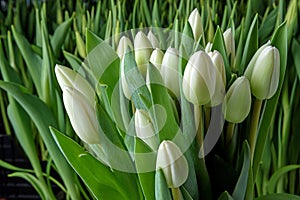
<point x="251" y="44"/>
<point x="279" y="40"/>
<point x="43" y="118"/>
<point x="241" y="185"/>
<point x="281" y="196"/>
<point x="277" y="174"/>
<point x="186" y="195"/>
<point x="59" y="36"/>
<point x="33" y="62"/>
<point x="141" y="96"/>
<point x="161" y="188"/>
<point x="186" y="40"/>
<point x="100" y="179"/>
<point x="147" y="179"/>
<point x="225" y="196"/>
<point x="103" y="62"/>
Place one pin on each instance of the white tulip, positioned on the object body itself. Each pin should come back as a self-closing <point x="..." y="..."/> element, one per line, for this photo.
<point x="154" y="41"/>
<point x="123" y="46"/>
<point x="196" y="24"/>
<point x="156" y="58"/>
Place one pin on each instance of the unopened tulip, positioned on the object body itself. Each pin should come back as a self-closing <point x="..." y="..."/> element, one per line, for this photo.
<point x="169" y="70"/>
<point x="173" y="163"/>
<point x="124" y="83"/>
<point x="217" y="59"/>
<point x="123" y="46"/>
<point x="263" y="72"/>
<point x="156" y="58"/>
<point x="196" y="24"/>
<point x="199" y="79"/>
<point x="67" y="77"/>
<point x="153" y="40"/>
<point x="237" y="103"/>
<point x="142" y="49"/>
<point x="144" y="128"/>
<point x="229" y="42"/>
<point x="82" y="115"/>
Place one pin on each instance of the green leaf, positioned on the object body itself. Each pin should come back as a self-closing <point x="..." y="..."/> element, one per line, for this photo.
<point x="161" y="188"/>
<point x="73" y="60"/>
<point x="101" y="181"/>
<point x="14" y="168"/>
<point x="33" y="62"/>
<point x="251" y="45"/>
<point x="59" y="35"/>
<point x="103" y="62"/>
<point x="279" y="40"/>
<point x="296" y="55"/>
<point x="185" y="194"/>
<point x="277" y="174"/>
<point x="225" y="196"/>
<point x="282" y="196"/>
<point x="241" y="185"/>
<point x="219" y="44"/>
<point x="147" y="179"/>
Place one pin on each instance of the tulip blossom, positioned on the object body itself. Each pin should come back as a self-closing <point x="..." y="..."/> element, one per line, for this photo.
<point x="156" y="58"/>
<point x="173" y="163"/>
<point x="237" y="103"/>
<point x="196" y="24"/>
<point x="263" y="72"/>
<point x="153" y="40"/>
<point x="124" y="44"/>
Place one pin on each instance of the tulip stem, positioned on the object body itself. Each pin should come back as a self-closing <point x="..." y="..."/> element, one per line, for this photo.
<point x="176" y="194"/>
<point x="254" y="126"/>
<point x="229" y="132"/>
<point x="198" y="123"/>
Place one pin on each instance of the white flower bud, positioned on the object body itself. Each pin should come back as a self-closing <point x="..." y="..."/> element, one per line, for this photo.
<point x="169" y="70"/>
<point x="237" y="104"/>
<point x="82" y="115"/>
<point x="124" y="83"/>
<point x="173" y="163"/>
<point x="199" y="79"/>
<point x="263" y="71"/>
<point x="196" y="24"/>
<point x="124" y="44"/>
<point x="67" y="77"/>
<point x="153" y="40"/>
<point x="229" y="42"/>
<point x="142" y="50"/>
<point x="156" y="58"/>
<point x="144" y="128"/>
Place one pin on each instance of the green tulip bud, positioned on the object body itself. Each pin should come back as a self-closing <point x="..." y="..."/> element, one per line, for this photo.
<point x="229" y="42"/>
<point x="199" y="79"/>
<point x="263" y="72"/>
<point x="156" y="58"/>
<point x="124" y="44"/>
<point x="172" y="162"/>
<point x="82" y="115"/>
<point x="67" y="77"/>
<point x="142" y="50"/>
<point x="153" y="40"/>
<point x="196" y="24"/>
<point x="80" y="45"/>
<point x="169" y="70"/>
<point x="237" y="104"/>
<point x="144" y="128"/>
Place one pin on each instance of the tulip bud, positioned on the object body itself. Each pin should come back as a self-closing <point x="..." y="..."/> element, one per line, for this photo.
<point x="219" y="93"/>
<point x="124" y="44"/>
<point x="169" y="70"/>
<point x="142" y="50"/>
<point x="217" y="59"/>
<point x="80" y="45"/>
<point x="172" y="162"/>
<point x="156" y="58"/>
<point x="153" y="40"/>
<point x="144" y="128"/>
<point x="237" y="104"/>
<point x="208" y="47"/>
<point x="199" y="79"/>
<point x="124" y="83"/>
<point x="67" y="77"/>
<point x="196" y="24"/>
<point x="82" y="115"/>
<point x="229" y="42"/>
<point x="263" y="72"/>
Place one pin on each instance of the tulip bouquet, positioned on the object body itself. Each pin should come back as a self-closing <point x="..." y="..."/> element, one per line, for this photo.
<point x="198" y="110"/>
